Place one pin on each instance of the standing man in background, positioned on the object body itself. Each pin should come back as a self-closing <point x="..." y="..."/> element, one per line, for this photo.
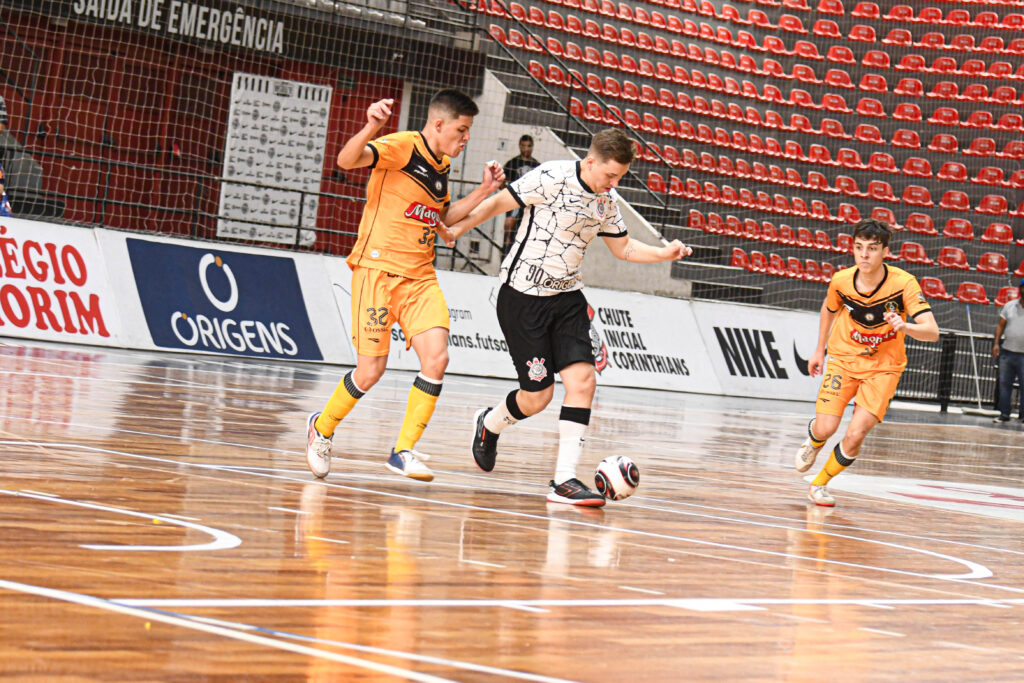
<point x="392" y="262"/>
<point x="516" y="168"/>
<point x="1010" y="355"/>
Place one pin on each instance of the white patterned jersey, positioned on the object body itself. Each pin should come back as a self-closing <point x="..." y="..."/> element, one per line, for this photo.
<point x="561" y="217"/>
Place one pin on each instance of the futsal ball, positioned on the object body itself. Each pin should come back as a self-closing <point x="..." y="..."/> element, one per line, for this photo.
<point x="616" y="477"/>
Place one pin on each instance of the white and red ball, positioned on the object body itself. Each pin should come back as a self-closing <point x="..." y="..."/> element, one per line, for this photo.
<point x="616" y="477"/>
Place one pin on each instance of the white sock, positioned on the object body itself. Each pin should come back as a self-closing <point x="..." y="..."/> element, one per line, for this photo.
<point x="570" y="446"/>
<point x="503" y="415"/>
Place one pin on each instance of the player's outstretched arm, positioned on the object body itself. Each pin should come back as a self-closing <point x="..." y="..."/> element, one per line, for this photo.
<point x="355" y="153"/>
<point x="501" y="202"/>
<point x="924" y="327"/>
<point x="634" y="251"/>
<point x="494" y="177"/>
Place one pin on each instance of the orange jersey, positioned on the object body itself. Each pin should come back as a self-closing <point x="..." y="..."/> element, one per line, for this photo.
<point x="405" y="196"/>
<point x="860" y="336"/>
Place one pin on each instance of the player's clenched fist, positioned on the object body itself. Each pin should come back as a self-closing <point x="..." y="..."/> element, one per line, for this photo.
<point x="379" y="112"/>
<point x="675" y="250"/>
<point x="494" y="176"/>
<point x="894" y="320"/>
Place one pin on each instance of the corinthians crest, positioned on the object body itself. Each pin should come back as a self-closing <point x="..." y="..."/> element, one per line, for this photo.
<point x="597" y="344"/>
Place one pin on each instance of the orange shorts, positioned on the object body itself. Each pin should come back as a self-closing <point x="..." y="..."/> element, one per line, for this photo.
<point x="380" y="299"/>
<point x="871" y="390"/>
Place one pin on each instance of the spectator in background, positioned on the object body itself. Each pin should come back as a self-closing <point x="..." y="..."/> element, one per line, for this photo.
<point x="516" y="168"/>
<point x="5" y="204"/>
<point x="1011" y="355"/>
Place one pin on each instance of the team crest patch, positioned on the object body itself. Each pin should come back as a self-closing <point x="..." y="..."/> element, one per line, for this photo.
<point x="538" y="370"/>
<point x="602" y="206"/>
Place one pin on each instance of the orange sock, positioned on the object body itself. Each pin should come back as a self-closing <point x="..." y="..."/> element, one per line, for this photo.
<point x="340" y="404"/>
<point x="837" y="462"/>
<point x="422" y="399"/>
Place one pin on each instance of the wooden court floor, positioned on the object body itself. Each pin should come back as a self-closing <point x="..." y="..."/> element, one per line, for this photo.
<point x="157" y="522"/>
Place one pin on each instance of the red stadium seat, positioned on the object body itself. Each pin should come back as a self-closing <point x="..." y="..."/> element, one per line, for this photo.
<point x="911" y="63"/>
<point x="838" y="78"/>
<point x="812" y="271"/>
<point x="907" y="111"/>
<point x="981" y="147"/>
<point x="953" y="257"/>
<point x="868" y="133"/>
<point x="900" y="37"/>
<point x="972" y="293"/>
<point x="758" y="262"/>
<point x="819" y="154"/>
<point x="989" y="175"/>
<point x="656" y="184"/>
<point x="739" y="259"/>
<point x="882" y="162"/>
<point x="861" y="33"/>
<point x="795" y="268"/>
<point x="847" y="213"/>
<point x="907" y="139"/>
<point x="921" y="224"/>
<point x="831" y="7"/>
<point x="912" y="252"/>
<point x="943" y="142"/>
<point x="934" y="288"/>
<point x="869" y="106"/>
<point x="944" y="90"/>
<point x="909" y="87"/>
<point x="817" y="181"/>
<point x="955" y="200"/>
<point x="1006" y="295"/>
<point x="916" y="167"/>
<point x="1014" y="149"/>
<point x="865" y="10"/>
<point x="834" y="103"/>
<point x="874" y="83"/>
<point x="826" y="28"/>
<point x="875" y="59"/>
<point x="952" y="170"/>
<point x="992" y="205"/>
<point x="844" y="243"/>
<point x="945" y="116"/>
<point x="848" y="186"/>
<point x="998" y="233"/>
<point x="884" y="213"/>
<point x="979" y="118"/>
<point x="964" y="42"/>
<point x="976" y="92"/>
<point x="805" y="49"/>
<point x="841" y="54"/>
<point x="958" y="229"/>
<point x="993" y="262"/>
<point x="881" y="190"/>
<point x="915" y="195"/>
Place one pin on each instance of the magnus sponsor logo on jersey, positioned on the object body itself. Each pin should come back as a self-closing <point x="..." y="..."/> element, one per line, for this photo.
<point x="872" y="340"/>
<point x="750" y="353"/>
<point x="222" y="302"/>
<point x="627" y="348"/>
<point x="423" y="213"/>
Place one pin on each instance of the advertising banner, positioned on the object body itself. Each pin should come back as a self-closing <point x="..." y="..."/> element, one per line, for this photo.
<point x="53" y="285"/>
<point x="759" y="352"/>
<point x="216" y="300"/>
<point x="639" y="340"/>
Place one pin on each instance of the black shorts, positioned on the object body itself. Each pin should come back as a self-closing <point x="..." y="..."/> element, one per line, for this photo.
<point x="544" y="334"/>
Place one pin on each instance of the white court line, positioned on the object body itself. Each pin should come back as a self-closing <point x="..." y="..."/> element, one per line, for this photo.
<point x="483" y="564"/>
<point x="695" y="603"/>
<point x="222" y="540"/>
<point x="882" y="633"/>
<point x="641" y="590"/>
<point x="329" y="540"/>
<point x="976" y="570"/>
<point x="151" y="615"/>
<point x="290" y="510"/>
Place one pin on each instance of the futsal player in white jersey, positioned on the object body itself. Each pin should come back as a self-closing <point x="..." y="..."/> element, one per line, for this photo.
<point x="541" y="308"/>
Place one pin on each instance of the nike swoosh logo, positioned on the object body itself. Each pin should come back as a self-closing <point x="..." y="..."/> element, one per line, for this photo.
<point x="801" y="363"/>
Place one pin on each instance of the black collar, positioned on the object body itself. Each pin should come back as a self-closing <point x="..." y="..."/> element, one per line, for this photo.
<point x="885" y="275"/>
<point x="580" y="178"/>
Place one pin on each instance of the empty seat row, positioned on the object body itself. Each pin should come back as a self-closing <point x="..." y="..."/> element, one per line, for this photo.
<point x="959" y="228"/>
<point x="966" y="292"/>
<point x="766" y="231"/>
<point x="963" y="42"/>
<point x="952" y="257"/>
<point x="773" y="264"/>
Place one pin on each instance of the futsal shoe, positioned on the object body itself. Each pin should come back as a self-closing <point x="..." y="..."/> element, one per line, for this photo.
<point x="485" y="443"/>
<point x="806" y="455"/>
<point x="318" y="449"/>
<point x="819" y="495"/>
<point x="409" y="463"/>
<point x="574" y="492"/>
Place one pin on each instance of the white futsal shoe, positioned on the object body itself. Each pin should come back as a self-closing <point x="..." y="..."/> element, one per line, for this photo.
<point x="819" y="495"/>
<point x="806" y="455"/>
<point x="318" y="449"/>
<point x="409" y="463"/>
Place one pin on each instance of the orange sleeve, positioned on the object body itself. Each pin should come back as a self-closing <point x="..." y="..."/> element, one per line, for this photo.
<point x="832" y="300"/>
<point x="913" y="299"/>
<point x="391" y="151"/>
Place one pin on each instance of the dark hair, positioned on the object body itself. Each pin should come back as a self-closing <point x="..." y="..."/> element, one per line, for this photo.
<point x="873" y="230"/>
<point x="526" y="138"/>
<point x="452" y="104"/>
<point x="613" y="144"/>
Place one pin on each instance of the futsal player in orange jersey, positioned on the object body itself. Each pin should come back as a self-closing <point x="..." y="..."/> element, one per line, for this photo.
<point x="864" y="319"/>
<point x="393" y="278"/>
